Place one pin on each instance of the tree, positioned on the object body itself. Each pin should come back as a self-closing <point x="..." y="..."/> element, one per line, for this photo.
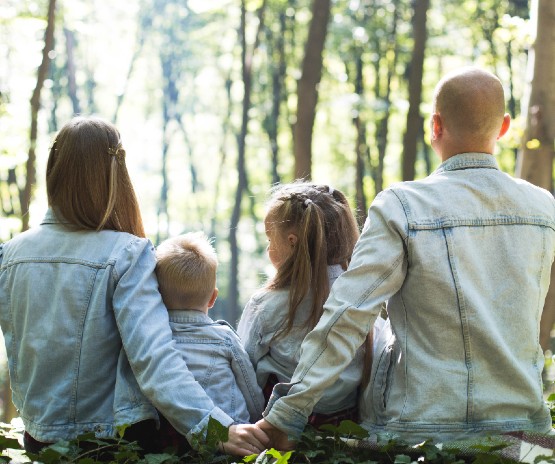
<point x="535" y="160"/>
<point x="307" y="91"/>
<point x="27" y="193"/>
<point x="414" y="118"/>
<point x="242" y="182"/>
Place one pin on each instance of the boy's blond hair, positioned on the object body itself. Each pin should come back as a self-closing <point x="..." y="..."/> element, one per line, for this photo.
<point x="186" y="270"/>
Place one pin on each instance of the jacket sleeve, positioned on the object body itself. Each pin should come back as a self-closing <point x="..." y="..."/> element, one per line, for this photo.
<point x="251" y="329"/>
<point x="376" y="272"/>
<point x="143" y="323"/>
<point x="246" y="379"/>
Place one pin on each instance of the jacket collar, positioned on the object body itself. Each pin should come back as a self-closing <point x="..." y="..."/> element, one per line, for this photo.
<point x="188" y="315"/>
<point x="51" y="218"/>
<point x="467" y="161"/>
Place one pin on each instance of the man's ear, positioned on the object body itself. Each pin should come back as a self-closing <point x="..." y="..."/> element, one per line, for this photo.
<point x="213" y="298"/>
<point x="437" y="126"/>
<point x="505" y="126"/>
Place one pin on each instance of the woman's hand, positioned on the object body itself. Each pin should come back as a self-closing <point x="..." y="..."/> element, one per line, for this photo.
<point x="245" y="439"/>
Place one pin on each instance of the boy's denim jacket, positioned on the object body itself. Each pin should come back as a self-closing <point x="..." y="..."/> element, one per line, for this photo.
<point x="464" y="258"/>
<point x="263" y="317"/>
<point x="83" y="323"/>
<point x="214" y="354"/>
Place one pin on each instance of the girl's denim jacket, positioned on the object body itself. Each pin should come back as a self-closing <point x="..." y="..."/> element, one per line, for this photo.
<point x="261" y="320"/>
<point x="216" y="357"/>
<point x="88" y="336"/>
<point x="464" y="257"/>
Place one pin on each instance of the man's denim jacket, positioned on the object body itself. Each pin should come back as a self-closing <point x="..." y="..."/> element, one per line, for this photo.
<point x="215" y="356"/>
<point x="84" y="323"/>
<point x="262" y="318"/>
<point x="464" y="258"/>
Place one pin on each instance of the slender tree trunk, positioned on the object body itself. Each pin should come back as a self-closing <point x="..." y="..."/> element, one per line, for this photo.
<point x="223" y="153"/>
<point x="414" y="119"/>
<point x="27" y="194"/>
<point x="242" y="183"/>
<point x="307" y="92"/>
<point x="71" y="80"/>
<point x="382" y="124"/>
<point x="278" y="70"/>
<point x="361" y="145"/>
<point x="535" y="161"/>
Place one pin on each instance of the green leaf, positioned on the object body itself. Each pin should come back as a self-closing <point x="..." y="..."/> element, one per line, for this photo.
<point x="86" y="461"/>
<point x="216" y="433"/>
<point x="160" y="458"/>
<point x="402" y="459"/>
<point x="8" y="442"/>
<point x="250" y="457"/>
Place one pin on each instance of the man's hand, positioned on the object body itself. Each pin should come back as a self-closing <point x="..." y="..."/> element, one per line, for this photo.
<point x="245" y="439"/>
<point x="278" y="439"/>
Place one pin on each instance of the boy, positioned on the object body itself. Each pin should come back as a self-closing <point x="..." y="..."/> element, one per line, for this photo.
<point x="186" y="270"/>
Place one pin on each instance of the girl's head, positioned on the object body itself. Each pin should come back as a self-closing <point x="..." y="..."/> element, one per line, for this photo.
<point x="87" y="181"/>
<point x="309" y="227"/>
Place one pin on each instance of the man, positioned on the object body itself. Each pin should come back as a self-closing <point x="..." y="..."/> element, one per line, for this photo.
<point x="463" y="258"/>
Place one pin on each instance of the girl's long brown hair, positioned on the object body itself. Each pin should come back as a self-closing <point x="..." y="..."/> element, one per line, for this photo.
<point x="326" y="234"/>
<point x="87" y="181"/>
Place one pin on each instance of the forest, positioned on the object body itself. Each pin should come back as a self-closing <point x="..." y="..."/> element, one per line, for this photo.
<point x="219" y="100"/>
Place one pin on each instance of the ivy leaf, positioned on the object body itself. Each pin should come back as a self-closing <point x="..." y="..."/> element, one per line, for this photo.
<point x="9" y="442"/>
<point x="250" y="457"/>
<point x="216" y="433"/>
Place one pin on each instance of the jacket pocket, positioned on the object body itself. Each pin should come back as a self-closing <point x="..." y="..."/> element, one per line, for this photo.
<point x="382" y="373"/>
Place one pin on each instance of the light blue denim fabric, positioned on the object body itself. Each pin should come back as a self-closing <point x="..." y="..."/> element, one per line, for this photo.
<point x="263" y="317"/>
<point x="216" y="357"/>
<point x="464" y="258"/>
<point x="84" y="325"/>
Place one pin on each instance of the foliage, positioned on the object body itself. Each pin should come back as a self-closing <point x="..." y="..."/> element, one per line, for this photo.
<point x="328" y="445"/>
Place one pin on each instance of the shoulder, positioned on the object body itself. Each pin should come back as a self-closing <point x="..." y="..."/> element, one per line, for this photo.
<point x="265" y="297"/>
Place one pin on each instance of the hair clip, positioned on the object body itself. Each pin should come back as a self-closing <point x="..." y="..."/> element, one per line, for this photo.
<point x="118" y="153"/>
<point x="307" y="202"/>
<point x="330" y="190"/>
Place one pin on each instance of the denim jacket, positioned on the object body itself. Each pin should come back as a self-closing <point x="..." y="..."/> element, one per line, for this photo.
<point x="85" y="327"/>
<point x="263" y="317"/>
<point x="464" y="257"/>
<point x="214" y="354"/>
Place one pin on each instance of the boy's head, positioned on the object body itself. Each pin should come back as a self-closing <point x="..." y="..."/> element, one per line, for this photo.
<point x="186" y="270"/>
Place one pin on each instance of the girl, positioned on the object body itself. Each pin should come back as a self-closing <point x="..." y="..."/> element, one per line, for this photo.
<point x="311" y="235"/>
<point x="86" y="332"/>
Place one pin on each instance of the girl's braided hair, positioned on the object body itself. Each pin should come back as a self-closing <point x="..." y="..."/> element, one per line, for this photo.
<point x="326" y="232"/>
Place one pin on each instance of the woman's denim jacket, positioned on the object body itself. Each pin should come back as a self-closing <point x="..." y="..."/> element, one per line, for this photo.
<point x="216" y="357"/>
<point x="83" y="323"/>
<point x="263" y="317"/>
<point x="464" y="258"/>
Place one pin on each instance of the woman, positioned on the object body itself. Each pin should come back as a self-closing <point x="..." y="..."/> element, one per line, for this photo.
<point x="87" y="335"/>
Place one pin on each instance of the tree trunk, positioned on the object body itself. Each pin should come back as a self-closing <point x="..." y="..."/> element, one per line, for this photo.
<point x="382" y="124"/>
<point x="71" y="80"/>
<point x="535" y="161"/>
<point x="27" y="194"/>
<point x="278" y="69"/>
<point x="307" y="91"/>
<point x="414" y="119"/>
<point x="242" y="182"/>
<point x="361" y="144"/>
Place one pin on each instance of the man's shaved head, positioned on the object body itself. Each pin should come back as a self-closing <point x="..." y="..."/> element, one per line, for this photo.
<point x="471" y="103"/>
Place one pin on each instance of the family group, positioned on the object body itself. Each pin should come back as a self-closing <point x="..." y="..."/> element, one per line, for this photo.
<point x="425" y="325"/>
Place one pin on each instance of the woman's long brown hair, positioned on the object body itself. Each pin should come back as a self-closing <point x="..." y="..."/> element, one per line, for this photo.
<point x="87" y="180"/>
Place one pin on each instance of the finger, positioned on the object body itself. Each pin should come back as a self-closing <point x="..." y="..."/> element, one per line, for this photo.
<point x="259" y="438"/>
